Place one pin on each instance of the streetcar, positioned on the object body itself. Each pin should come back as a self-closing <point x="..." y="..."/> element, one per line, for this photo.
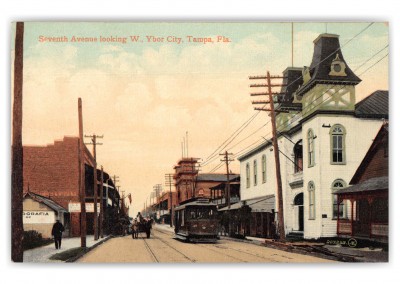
<point x="196" y="220"/>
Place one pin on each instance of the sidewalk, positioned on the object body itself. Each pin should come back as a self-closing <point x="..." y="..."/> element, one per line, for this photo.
<point x="42" y="254"/>
<point x="164" y="227"/>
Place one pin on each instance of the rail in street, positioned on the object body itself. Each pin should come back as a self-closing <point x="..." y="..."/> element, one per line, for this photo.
<point x="163" y="248"/>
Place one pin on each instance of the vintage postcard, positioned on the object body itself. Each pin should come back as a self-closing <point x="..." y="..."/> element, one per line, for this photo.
<point x="226" y="142"/>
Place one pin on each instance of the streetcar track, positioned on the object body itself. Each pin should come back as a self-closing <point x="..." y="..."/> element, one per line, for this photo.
<point x="252" y="254"/>
<point x="220" y="252"/>
<point x="238" y="250"/>
<point x="150" y="251"/>
<point x="166" y="243"/>
<point x="203" y="246"/>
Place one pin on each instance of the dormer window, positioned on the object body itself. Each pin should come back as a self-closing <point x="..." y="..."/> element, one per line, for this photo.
<point x="337" y="67"/>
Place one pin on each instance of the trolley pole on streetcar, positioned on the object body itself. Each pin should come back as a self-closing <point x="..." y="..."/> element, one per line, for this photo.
<point x="273" y="112"/>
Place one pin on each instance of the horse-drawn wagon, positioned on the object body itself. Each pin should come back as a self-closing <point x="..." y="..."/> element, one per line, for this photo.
<point x="141" y="225"/>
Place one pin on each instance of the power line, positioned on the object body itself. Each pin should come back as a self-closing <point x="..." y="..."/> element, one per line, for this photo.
<point x="249" y="135"/>
<point x="374" y="64"/>
<point x="216" y="167"/>
<point x="238" y="131"/>
<point x="215" y="156"/>
<point x="314" y="106"/>
<point x="339" y="48"/>
<point x="372" y="57"/>
<point x="207" y="161"/>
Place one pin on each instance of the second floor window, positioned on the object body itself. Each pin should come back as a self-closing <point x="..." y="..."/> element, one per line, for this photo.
<point x="338" y="134"/>
<point x="311" y="153"/>
<point x="247" y="175"/>
<point x="298" y="157"/>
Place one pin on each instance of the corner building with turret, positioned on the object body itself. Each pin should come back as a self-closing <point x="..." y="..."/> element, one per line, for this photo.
<point x="323" y="135"/>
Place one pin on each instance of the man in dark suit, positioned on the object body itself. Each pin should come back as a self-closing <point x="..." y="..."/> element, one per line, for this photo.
<point x="57" y="231"/>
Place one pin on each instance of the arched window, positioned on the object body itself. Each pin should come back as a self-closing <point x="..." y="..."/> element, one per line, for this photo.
<point x="264" y="168"/>
<point x="336" y="185"/>
<point x="255" y="171"/>
<point x="298" y="156"/>
<point x="311" y="200"/>
<point x="201" y="192"/>
<point x="247" y="175"/>
<point x="310" y="146"/>
<point x="338" y="153"/>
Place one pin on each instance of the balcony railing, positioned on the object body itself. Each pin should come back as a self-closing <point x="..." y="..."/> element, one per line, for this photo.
<point x="358" y="229"/>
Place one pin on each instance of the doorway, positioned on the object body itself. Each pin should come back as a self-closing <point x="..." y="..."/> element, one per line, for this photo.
<point x="299" y="211"/>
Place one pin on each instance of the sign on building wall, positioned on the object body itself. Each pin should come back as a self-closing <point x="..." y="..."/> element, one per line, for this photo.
<point x="38" y="217"/>
<point x="76" y="207"/>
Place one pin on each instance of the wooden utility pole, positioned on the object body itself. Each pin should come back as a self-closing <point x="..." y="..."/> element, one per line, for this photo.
<point x="95" y="218"/>
<point x="157" y="189"/>
<point x="101" y="203"/>
<point x="272" y="111"/>
<point x="17" y="181"/>
<point x="168" y="182"/>
<point x="82" y="176"/>
<point x="115" y="180"/>
<point x="228" y="188"/>
<point x="123" y="202"/>
<point x="228" y="185"/>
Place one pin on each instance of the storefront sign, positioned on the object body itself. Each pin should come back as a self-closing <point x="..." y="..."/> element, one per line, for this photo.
<point x="76" y="207"/>
<point x="38" y="217"/>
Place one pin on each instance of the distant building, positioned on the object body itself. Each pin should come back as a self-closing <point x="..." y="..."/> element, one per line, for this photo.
<point x="189" y="183"/>
<point x="323" y="135"/>
<point x="219" y="192"/>
<point x="368" y="194"/>
<point x="52" y="172"/>
<point x="165" y="202"/>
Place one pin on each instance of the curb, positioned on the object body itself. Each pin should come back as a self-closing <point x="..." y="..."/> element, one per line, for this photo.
<point x="75" y="258"/>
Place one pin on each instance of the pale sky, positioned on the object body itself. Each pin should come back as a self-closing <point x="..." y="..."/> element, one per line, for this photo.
<point x="144" y="96"/>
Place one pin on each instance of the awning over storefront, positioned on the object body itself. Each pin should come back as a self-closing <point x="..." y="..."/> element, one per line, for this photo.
<point x="260" y="204"/>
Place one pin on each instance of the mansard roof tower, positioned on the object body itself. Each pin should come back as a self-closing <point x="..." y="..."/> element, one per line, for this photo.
<point x="328" y="65"/>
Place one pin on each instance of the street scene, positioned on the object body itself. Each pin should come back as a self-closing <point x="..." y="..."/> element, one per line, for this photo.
<point x="161" y="247"/>
<point x="200" y="142"/>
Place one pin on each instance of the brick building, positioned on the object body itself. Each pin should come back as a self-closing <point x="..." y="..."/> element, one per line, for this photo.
<point x="189" y="183"/>
<point x="52" y="171"/>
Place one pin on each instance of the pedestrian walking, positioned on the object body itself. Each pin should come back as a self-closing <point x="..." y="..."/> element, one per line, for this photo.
<point x="135" y="229"/>
<point x="57" y="231"/>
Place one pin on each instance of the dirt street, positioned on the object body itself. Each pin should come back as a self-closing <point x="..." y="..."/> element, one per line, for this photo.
<point x="162" y="247"/>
